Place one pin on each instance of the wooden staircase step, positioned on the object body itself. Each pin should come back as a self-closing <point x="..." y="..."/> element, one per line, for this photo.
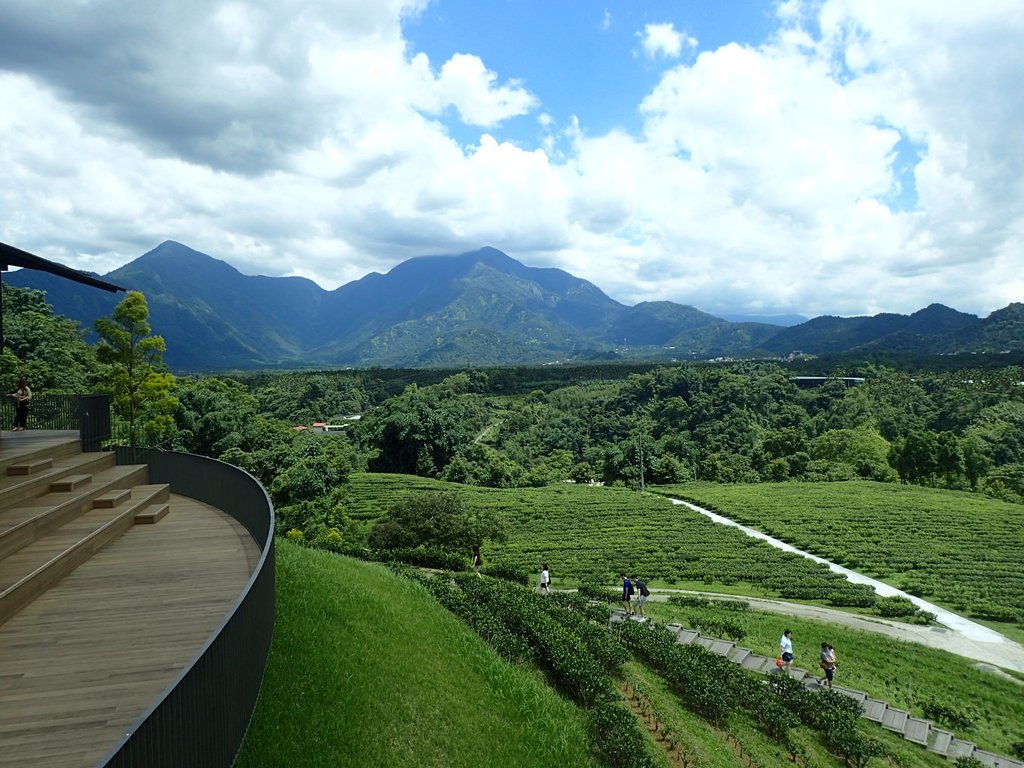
<point x="23" y="524"/>
<point x="58" y="450"/>
<point x="20" y="489"/>
<point x="69" y="483"/>
<point x="35" y="568"/>
<point x="152" y="514"/>
<point x="28" y="573"/>
<point x="111" y="499"/>
<point x="27" y="468"/>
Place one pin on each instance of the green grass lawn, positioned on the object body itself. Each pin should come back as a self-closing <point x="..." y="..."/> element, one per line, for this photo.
<point x="367" y="670"/>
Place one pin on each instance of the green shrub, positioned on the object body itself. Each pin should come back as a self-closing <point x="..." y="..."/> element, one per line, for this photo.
<point x="618" y="736"/>
<point x="507" y="572"/>
<point x="895" y="606"/>
<point x="947" y="715"/>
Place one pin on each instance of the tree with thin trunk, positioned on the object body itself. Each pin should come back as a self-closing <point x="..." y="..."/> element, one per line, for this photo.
<point x="138" y="379"/>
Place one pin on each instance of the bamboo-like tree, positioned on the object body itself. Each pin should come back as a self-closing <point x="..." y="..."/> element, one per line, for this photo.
<point x="139" y="382"/>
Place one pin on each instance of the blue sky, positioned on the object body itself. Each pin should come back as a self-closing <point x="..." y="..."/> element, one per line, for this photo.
<point x="579" y="58"/>
<point x="789" y="156"/>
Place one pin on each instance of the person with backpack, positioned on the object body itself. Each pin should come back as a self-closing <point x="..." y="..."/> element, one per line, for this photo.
<point x="642" y="594"/>
<point x="627" y="594"/>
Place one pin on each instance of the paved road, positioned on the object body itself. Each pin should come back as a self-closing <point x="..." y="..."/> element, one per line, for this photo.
<point x="959" y="635"/>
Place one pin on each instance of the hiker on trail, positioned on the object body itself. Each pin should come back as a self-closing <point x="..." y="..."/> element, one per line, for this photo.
<point x="545" y="579"/>
<point x="627" y="594"/>
<point x="642" y="594"/>
<point x="786" y="650"/>
<point x="828" y="664"/>
<point x="478" y="560"/>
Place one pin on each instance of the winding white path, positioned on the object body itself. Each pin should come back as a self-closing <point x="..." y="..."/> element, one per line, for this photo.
<point x="969" y="630"/>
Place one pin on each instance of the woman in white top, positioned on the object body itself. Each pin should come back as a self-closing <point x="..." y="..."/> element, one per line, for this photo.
<point x="22" y="396"/>
<point x="545" y="579"/>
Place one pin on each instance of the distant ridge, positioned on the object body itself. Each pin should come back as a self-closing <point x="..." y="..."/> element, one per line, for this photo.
<point x="477" y="308"/>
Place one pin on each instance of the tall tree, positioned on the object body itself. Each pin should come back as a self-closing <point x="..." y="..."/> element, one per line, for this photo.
<point x="139" y="381"/>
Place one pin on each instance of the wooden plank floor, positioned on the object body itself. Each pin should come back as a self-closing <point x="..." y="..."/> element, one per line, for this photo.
<point x="81" y="663"/>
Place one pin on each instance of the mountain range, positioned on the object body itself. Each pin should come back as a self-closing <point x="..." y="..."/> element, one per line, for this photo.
<point x="472" y="309"/>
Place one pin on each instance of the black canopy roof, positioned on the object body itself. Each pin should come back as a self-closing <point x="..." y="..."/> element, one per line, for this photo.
<point x="15" y="257"/>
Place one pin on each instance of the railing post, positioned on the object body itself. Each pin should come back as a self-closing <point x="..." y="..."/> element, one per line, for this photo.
<point x="93" y="421"/>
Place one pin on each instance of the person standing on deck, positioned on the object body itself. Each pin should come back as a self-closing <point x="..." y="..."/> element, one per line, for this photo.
<point x="22" y="397"/>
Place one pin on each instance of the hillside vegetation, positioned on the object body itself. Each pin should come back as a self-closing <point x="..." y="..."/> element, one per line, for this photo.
<point x="591" y="534"/>
<point x="960" y="549"/>
<point x="367" y="670"/>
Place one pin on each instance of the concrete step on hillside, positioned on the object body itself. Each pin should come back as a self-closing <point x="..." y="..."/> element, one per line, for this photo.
<point x="19" y="489"/>
<point x="917" y="730"/>
<point x="895" y="719"/>
<point x="32" y="570"/>
<point x="686" y="636"/>
<point x="21" y="525"/>
<point x="738" y="654"/>
<point x="873" y="709"/>
<point x="960" y="748"/>
<point x="993" y="760"/>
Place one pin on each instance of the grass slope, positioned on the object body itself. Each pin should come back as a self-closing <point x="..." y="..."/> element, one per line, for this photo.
<point x="367" y="670"/>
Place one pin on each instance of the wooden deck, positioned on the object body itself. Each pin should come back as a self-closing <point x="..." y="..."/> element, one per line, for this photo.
<point x="84" y="660"/>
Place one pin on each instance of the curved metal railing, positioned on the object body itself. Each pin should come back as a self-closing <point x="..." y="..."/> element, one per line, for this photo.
<point x="202" y="717"/>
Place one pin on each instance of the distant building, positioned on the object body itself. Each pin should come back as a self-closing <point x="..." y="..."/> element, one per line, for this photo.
<point x="322" y="427"/>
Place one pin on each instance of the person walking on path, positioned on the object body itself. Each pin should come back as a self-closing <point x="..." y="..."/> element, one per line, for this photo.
<point x="828" y="664"/>
<point x="642" y="593"/>
<point x="786" y="650"/>
<point x="545" y="579"/>
<point x="22" y="397"/>
<point x="477" y="560"/>
<point x="627" y="594"/>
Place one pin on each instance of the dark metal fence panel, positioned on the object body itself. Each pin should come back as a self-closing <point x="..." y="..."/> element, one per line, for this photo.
<point x="93" y="421"/>
<point x="89" y="414"/>
<point x="202" y="718"/>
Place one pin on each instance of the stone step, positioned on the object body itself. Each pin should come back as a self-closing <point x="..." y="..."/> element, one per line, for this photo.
<point x="722" y="647"/>
<point x="686" y="636"/>
<point x="916" y="730"/>
<point x="858" y="696"/>
<point x="755" y="662"/>
<point x="895" y="719"/>
<point x="738" y="654"/>
<point x="960" y="748"/>
<point x="993" y="760"/>
<point x="873" y="709"/>
<point x="939" y="740"/>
